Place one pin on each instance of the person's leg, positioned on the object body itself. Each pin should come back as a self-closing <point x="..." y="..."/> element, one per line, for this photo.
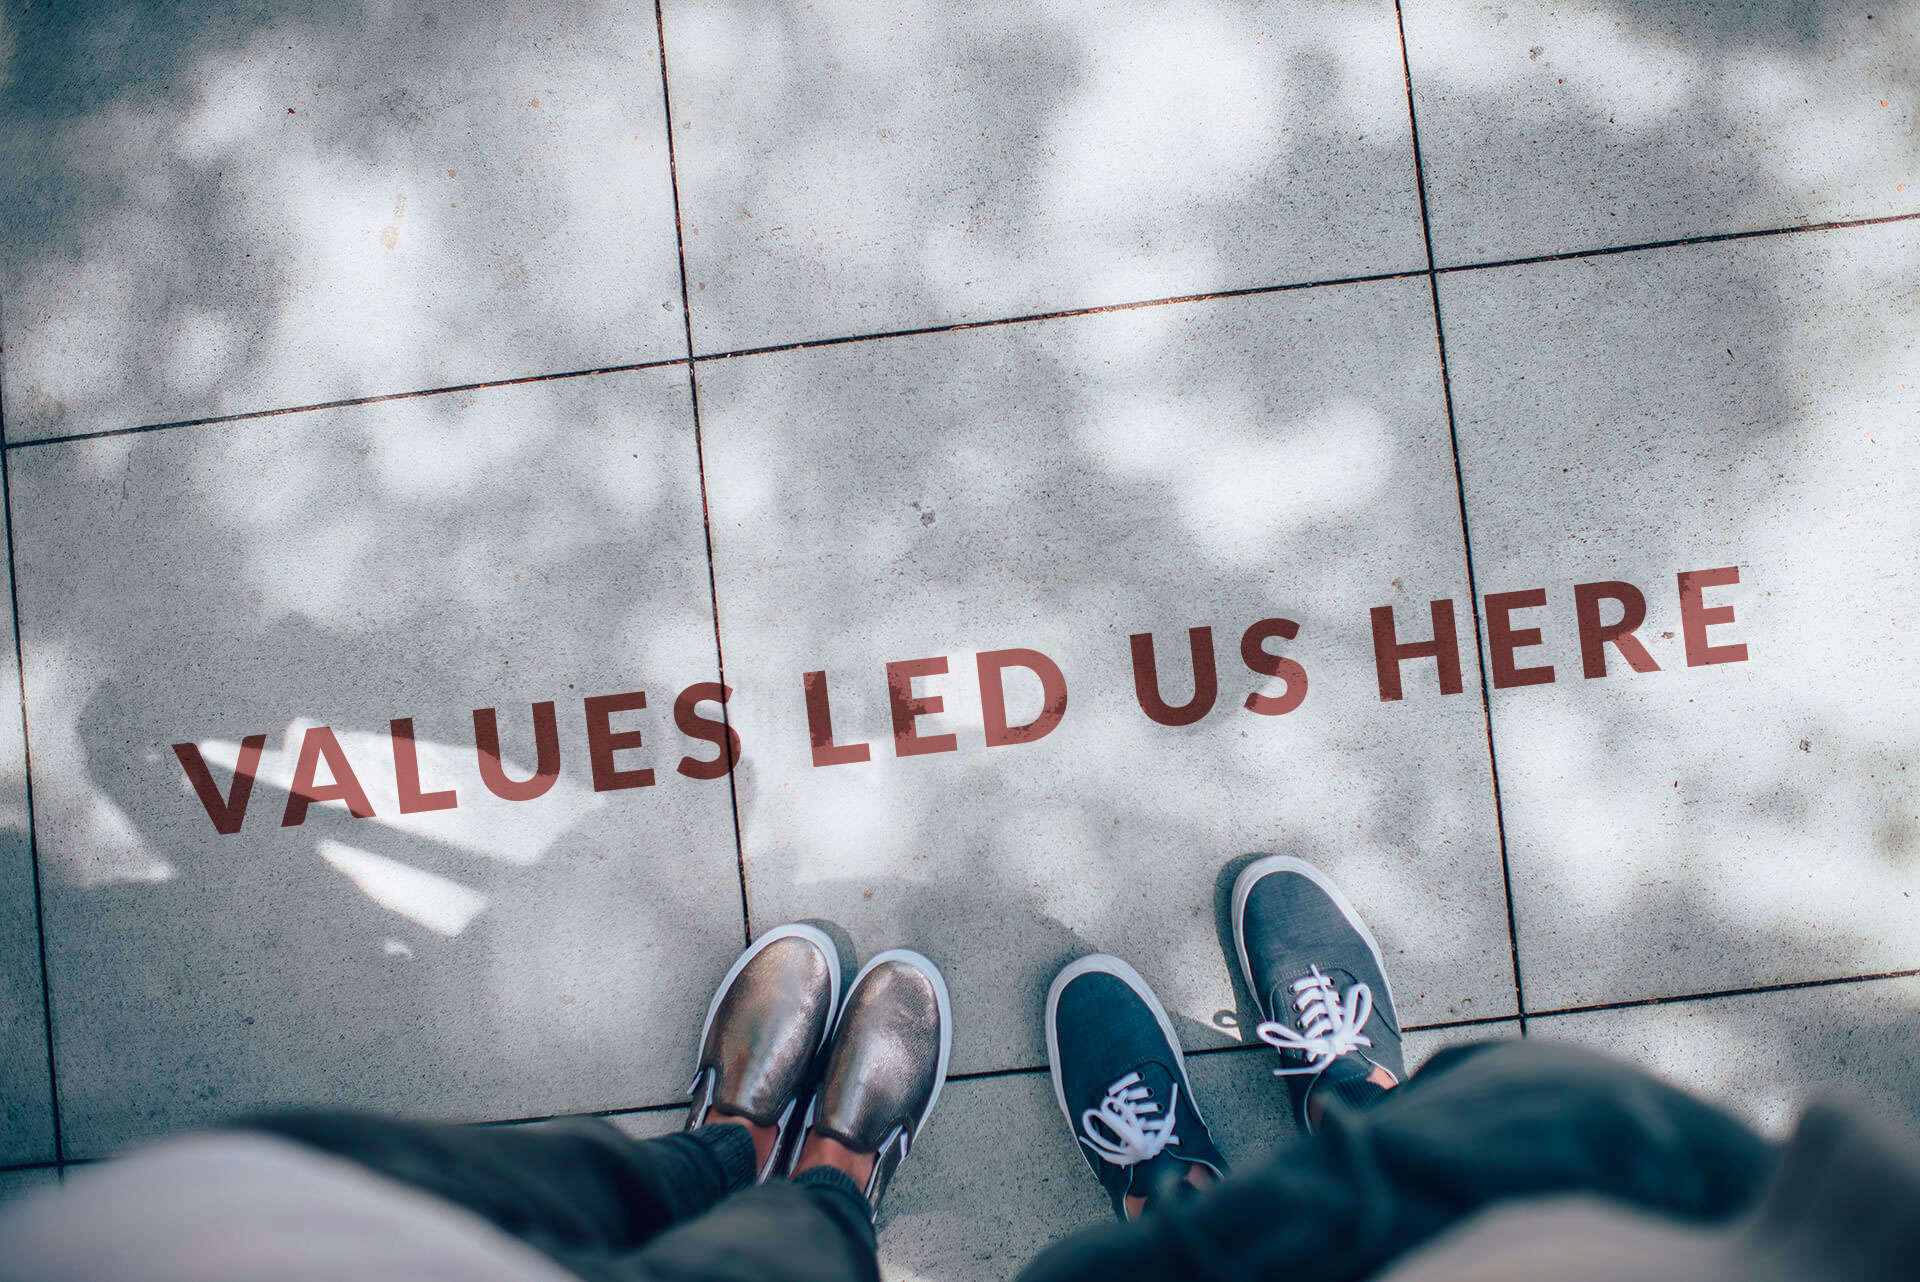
<point x="1518" y="1120"/>
<point x="566" y="1187"/>
<point x="1385" y="1167"/>
<point x="817" y="1227"/>
<point x="593" y="1199"/>
<point x="1318" y="980"/>
<point x="884" y="1075"/>
<point x="769" y="1019"/>
<point x="878" y="1088"/>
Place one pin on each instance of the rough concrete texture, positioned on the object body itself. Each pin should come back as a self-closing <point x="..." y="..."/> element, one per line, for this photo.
<point x="1747" y="407"/>
<point x="220" y="209"/>
<point x="26" y="1097"/>
<point x="1546" y="128"/>
<point x="1059" y="488"/>
<point x="846" y="172"/>
<point x="416" y="560"/>
<point x="1069" y="322"/>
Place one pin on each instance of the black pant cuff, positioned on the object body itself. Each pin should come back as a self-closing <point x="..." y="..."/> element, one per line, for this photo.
<point x="731" y="1147"/>
<point x="841" y="1197"/>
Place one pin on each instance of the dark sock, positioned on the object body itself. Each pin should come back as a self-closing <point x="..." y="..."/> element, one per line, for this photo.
<point x="1346" y="1080"/>
<point x="1164" y="1179"/>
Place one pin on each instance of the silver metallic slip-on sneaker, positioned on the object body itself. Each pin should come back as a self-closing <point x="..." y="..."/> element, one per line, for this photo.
<point x="888" y="1063"/>
<point x="764" y="1027"/>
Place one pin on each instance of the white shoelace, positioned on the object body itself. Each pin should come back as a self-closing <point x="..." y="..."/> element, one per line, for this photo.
<point x="1123" y="1129"/>
<point x="1329" y="1024"/>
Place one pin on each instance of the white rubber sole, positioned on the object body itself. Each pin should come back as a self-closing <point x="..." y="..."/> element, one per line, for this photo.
<point x="813" y="935"/>
<point x="1102" y="963"/>
<point x="1253" y="872"/>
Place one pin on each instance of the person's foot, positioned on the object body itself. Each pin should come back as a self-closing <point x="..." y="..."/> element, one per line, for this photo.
<point x="884" y="1073"/>
<point x="1317" y="976"/>
<point x="765" y="1025"/>
<point x="1122" y="1082"/>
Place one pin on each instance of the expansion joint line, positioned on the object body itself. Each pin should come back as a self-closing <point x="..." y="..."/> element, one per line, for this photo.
<point x="700" y="461"/>
<point x="33" y="833"/>
<point x="1466" y="533"/>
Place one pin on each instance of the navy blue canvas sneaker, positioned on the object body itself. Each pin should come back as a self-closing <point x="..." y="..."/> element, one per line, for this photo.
<point x="1317" y="976"/>
<point x="1122" y="1081"/>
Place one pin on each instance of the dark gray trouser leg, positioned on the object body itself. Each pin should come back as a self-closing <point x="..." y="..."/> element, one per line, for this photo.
<point x="1479" y="1125"/>
<point x="612" y="1209"/>
<point x="815" y="1228"/>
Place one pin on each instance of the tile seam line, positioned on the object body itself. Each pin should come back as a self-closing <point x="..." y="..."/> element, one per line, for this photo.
<point x="1466" y="533"/>
<point x="977" y="1075"/>
<point x="700" y="463"/>
<point x="1492" y="264"/>
<point x="1478" y="1021"/>
<point x="33" y="835"/>
<point x="1678" y="242"/>
<point x="1029" y="318"/>
<point x="1484" y="1021"/>
<point x="1756" y="990"/>
<point x="1249" y="291"/>
<point x="638" y="1110"/>
<point x="380" y="398"/>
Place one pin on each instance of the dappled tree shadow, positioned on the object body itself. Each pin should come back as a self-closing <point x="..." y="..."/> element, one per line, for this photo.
<point x="500" y="548"/>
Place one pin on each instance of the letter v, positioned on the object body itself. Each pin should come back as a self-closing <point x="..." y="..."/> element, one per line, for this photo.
<point x="226" y="812"/>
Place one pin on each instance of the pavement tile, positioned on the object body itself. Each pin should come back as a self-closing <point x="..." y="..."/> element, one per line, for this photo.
<point x="1750" y="406"/>
<point x="26" y="1107"/>
<point x="650" y="1124"/>
<point x="1764" y="1056"/>
<point x="994" y="1179"/>
<point x="998" y="1176"/>
<point x="1546" y="127"/>
<point x="845" y="174"/>
<point x="1422" y="1044"/>
<point x="416" y="559"/>
<point x="217" y="209"/>
<point x="1061" y="486"/>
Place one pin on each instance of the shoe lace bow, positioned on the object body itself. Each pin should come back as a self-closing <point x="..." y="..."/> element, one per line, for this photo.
<point x="1329" y="1023"/>
<point x="1123" y="1128"/>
